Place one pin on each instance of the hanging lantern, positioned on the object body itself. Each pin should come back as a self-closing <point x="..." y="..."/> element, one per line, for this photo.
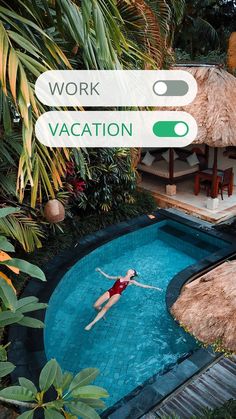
<point x="54" y="211"/>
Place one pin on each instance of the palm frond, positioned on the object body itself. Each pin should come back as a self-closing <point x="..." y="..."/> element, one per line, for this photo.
<point x="206" y="31"/>
<point x="26" y="51"/>
<point x="145" y="27"/>
<point x="178" y="8"/>
<point x="23" y="229"/>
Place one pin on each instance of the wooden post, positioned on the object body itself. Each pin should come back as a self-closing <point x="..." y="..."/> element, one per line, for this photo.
<point x="207" y="154"/>
<point x="214" y="191"/>
<point x="171" y="165"/>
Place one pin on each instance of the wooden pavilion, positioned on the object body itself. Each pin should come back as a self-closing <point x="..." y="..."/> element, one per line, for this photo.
<point x="214" y="110"/>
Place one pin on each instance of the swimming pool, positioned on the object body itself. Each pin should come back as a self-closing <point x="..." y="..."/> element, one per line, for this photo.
<point x="138" y="338"/>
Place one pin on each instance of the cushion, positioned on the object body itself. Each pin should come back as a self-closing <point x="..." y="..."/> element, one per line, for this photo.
<point x="166" y="156"/>
<point x="148" y="159"/>
<point x="192" y="160"/>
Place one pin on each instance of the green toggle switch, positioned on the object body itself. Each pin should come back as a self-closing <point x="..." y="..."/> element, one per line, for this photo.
<point x="170" y="129"/>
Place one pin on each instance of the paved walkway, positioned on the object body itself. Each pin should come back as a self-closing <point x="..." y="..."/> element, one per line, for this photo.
<point x="209" y="389"/>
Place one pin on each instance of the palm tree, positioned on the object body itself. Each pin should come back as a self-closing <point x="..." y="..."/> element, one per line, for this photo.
<point x="203" y="26"/>
<point x="36" y="36"/>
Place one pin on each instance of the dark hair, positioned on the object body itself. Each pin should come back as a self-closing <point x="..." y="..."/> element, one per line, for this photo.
<point x="135" y="273"/>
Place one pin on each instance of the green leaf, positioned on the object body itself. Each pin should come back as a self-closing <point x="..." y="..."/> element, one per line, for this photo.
<point x="3" y="353"/>
<point x="95" y="403"/>
<point x="58" y="382"/>
<point x="52" y="414"/>
<point x="7" y="211"/>
<point x="7" y="294"/>
<point x="82" y="410"/>
<point x="7" y="317"/>
<point x="17" y="393"/>
<point x="47" y="375"/>
<point x="27" y="415"/>
<point x="32" y="307"/>
<point x="67" y="379"/>
<point x="24" y="382"/>
<point x="26" y="267"/>
<point x="91" y="392"/>
<point x="55" y="404"/>
<point x="83" y="378"/>
<point x="6" y="245"/>
<point x="25" y="301"/>
<point x="31" y="322"/>
<point x="6" y="368"/>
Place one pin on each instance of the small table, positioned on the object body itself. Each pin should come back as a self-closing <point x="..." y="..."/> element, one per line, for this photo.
<point x="208" y="175"/>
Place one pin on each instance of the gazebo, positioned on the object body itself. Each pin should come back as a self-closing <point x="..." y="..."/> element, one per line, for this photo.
<point x="206" y="307"/>
<point x="214" y="110"/>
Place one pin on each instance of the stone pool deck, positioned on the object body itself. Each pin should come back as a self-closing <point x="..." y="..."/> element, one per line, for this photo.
<point x="160" y="387"/>
<point x="209" y="389"/>
<point x="186" y="201"/>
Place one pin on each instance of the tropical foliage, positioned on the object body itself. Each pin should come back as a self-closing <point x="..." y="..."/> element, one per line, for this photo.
<point x="74" y="396"/>
<point x="112" y="181"/>
<point x="73" y="393"/>
<point x="205" y="29"/>
<point x="41" y="36"/>
<point x="36" y="36"/>
<point x="13" y="309"/>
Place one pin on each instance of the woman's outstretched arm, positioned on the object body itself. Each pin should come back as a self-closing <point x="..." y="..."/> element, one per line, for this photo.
<point x="144" y="286"/>
<point x="106" y="275"/>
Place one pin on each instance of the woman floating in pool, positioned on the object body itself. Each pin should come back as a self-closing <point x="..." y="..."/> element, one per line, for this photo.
<point x="114" y="293"/>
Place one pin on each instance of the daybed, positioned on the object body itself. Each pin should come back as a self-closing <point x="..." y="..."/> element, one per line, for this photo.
<point x="175" y="169"/>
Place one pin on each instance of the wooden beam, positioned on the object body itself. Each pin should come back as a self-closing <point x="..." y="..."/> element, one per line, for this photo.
<point x="207" y="154"/>
<point x="171" y="165"/>
<point x="214" y="191"/>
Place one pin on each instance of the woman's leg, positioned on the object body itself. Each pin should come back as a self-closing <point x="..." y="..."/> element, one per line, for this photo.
<point x="113" y="300"/>
<point x="104" y="297"/>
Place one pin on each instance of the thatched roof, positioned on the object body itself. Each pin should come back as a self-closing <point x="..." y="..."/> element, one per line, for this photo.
<point x="207" y="307"/>
<point x="215" y="105"/>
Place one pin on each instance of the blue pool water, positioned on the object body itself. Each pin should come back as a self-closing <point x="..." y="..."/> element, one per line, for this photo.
<point x="138" y="337"/>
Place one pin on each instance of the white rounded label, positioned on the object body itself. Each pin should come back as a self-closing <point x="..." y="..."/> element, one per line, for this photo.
<point x="98" y="88"/>
<point x="116" y="129"/>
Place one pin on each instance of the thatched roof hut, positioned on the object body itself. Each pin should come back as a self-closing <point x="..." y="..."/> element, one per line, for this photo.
<point x="215" y="105"/>
<point x="206" y="307"/>
<point x="214" y="109"/>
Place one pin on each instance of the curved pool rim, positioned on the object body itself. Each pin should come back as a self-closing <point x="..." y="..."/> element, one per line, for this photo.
<point x="27" y="350"/>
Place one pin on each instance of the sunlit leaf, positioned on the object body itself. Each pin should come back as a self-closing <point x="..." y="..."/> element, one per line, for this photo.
<point x="6" y="368"/>
<point x="91" y="392"/>
<point x="12" y="71"/>
<point x="17" y="393"/>
<point x="8" y="210"/>
<point x="83" y="411"/>
<point x="25" y="267"/>
<point x="8" y="317"/>
<point x="24" y="382"/>
<point x="31" y="322"/>
<point x="26" y="415"/>
<point x="52" y="414"/>
<point x="7" y="292"/>
<point x="47" y="375"/>
<point x="83" y="378"/>
<point x="6" y="245"/>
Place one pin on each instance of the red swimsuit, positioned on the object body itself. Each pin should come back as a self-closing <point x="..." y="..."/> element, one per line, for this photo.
<point x="118" y="287"/>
